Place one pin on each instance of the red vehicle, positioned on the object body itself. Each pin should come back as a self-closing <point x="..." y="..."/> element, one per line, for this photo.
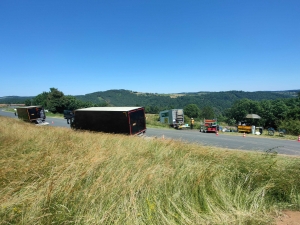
<point x="209" y="126"/>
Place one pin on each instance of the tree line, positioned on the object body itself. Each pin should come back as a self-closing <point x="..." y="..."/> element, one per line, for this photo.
<point x="278" y="114"/>
<point x="155" y="103"/>
<point x="276" y="110"/>
<point x="56" y="102"/>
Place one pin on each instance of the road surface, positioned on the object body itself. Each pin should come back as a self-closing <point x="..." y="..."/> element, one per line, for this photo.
<point x="250" y="142"/>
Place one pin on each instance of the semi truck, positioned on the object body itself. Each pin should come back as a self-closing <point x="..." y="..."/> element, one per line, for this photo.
<point x="33" y="114"/>
<point x="68" y="115"/>
<point x="118" y="120"/>
<point x="209" y="126"/>
<point x="173" y="117"/>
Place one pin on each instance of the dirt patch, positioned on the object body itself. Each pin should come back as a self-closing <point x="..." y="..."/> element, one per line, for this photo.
<point x="289" y="218"/>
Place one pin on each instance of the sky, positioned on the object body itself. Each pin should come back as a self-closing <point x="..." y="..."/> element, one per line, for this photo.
<point x="154" y="46"/>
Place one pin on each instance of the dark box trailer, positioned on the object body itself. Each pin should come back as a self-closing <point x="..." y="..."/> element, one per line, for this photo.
<point x="121" y="120"/>
<point x="34" y="114"/>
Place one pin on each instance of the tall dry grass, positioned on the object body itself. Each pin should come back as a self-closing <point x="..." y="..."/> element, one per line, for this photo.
<point x="55" y="175"/>
<point x="152" y="120"/>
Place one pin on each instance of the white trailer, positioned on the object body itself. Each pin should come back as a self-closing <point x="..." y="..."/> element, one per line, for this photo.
<point x="173" y="117"/>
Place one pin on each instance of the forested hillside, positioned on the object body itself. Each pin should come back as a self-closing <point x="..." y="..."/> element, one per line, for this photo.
<point x="14" y="99"/>
<point x="277" y="109"/>
<point x="154" y="102"/>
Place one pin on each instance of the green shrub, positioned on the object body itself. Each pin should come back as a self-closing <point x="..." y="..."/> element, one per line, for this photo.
<point x="292" y="127"/>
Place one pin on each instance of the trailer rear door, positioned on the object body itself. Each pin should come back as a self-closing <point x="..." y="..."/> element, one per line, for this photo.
<point x="137" y="121"/>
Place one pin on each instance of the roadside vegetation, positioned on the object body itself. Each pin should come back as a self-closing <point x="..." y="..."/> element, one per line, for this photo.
<point x="53" y="175"/>
<point x="152" y="121"/>
<point x="48" y="114"/>
<point x="279" y="111"/>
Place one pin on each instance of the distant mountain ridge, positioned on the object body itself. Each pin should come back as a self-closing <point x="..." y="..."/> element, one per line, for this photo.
<point x="218" y="100"/>
<point x="14" y="99"/>
<point x="11" y="97"/>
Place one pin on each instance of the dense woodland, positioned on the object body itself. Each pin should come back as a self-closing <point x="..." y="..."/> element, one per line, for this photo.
<point x="277" y="109"/>
<point x="14" y="99"/>
<point x="278" y="114"/>
<point x="154" y="103"/>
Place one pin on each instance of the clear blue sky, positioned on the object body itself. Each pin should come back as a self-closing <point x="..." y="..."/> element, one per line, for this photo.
<point x="157" y="46"/>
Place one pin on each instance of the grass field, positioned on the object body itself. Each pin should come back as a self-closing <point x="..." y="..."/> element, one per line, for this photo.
<point x="52" y="175"/>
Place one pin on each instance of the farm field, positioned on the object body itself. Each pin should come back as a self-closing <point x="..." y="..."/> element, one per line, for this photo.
<point x="52" y="175"/>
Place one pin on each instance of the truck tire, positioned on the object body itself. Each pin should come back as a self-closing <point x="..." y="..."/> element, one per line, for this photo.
<point x="271" y="132"/>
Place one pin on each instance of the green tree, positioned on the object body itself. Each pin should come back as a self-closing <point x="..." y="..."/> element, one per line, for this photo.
<point x="27" y="102"/>
<point x="291" y="126"/>
<point x="280" y="109"/>
<point x="192" y="110"/>
<point x="154" y="109"/>
<point x="241" y="108"/>
<point x="208" y="112"/>
<point x="294" y="109"/>
<point x="55" y="101"/>
<point x="266" y="113"/>
<point x="147" y="109"/>
<point x="41" y="99"/>
<point x="71" y="103"/>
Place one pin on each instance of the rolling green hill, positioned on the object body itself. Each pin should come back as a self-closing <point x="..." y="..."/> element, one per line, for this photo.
<point x="218" y="100"/>
<point x="14" y="99"/>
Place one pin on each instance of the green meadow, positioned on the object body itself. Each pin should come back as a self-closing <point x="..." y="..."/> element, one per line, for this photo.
<point x="52" y="175"/>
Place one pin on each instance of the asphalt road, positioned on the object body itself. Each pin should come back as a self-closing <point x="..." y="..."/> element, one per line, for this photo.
<point x="250" y="142"/>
